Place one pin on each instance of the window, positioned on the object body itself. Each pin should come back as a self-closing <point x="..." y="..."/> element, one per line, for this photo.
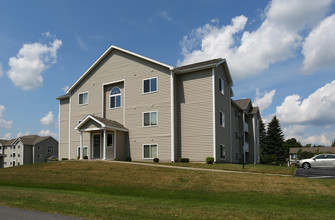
<point x="293" y="156"/>
<point x="18" y="147"/>
<point x="50" y="149"/>
<point x="18" y="163"/>
<point x="221" y="85"/>
<point x="330" y="156"/>
<point x="39" y="156"/>
<point x="13" y="154"/>
<point x="84" y="152"/>
<point x="321" y="156"/>
<point x="149" y="119"/>
<point x="18" y="155"/>
<point x="222" y="120"/>
<point x="236" y="135"/>
<point x="83" y="98"/>
<point x="38" y="148"/>
<point x="110" y="140"/>
<point x="237" y="157"/>
<point x="222" y="151"/>
<point x="149" y="151"/>
<point x="150" y="85"/>
<point x="115" y="98"/>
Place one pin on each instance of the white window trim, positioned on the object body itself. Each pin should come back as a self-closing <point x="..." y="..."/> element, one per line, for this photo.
<point x="112" y="133"/>
<point x="87" y="98"/>
<point x="150" y="118"/>
<point x="221" y="91"/>
<point x="110" y="96"/>
<point x="144" y="93"/>
<point x="223" y="158"/>
<point x="150" y="149"/>
<point x="81" y="151"/>
<point x="223" y="122"/>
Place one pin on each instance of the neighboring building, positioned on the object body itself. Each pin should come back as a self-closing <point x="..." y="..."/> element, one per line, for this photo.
<point x="293" y="159"/>
<point x="128" y="105"/>
<point x="29" y="149"/>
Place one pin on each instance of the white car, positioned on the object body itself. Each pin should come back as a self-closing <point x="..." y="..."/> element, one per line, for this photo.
<point x="319" y="161"/>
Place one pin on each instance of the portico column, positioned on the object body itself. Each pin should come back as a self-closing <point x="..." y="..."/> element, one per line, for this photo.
<point x="104" y="145"/>
<point x="81" y="145"/>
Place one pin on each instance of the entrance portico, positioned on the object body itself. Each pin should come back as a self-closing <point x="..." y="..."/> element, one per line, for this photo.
<point x="103" y="138"/>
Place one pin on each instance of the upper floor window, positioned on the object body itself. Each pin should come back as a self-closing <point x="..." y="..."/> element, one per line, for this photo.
<point x="221" y="85"/>
<point x="149" y="119"/>
<point x="150" y="85"/>
<point x="83" y="98"/>
<point x="115" y="98"/>
<point x="222" y="119"/>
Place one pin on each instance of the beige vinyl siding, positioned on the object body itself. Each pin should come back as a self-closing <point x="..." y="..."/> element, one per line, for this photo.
<point x="222" y="105"/>
<point x="64" y="127"/>
<point x="119" y="66"/>
<point x="194" y="115"/>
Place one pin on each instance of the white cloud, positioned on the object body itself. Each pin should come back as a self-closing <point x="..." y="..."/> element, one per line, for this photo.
<point x="7" y="136"/>
<point x="3" y="123"/>
<point x="66" y="88"/>
<point x="319" y="46"/>
<point x="48" y="133"/>
<point x="316" y="109"/>
<point x="27" y="67"/>
<point x="1" y="70"/>
<point x="318" y="140"/>
<point x="258" y="49"/>
<point x="81" y="44"/>
<point x="20" y="134"/>
<point x="164" y="15"/>
<point x="265" y="101"/>
<point x="48" y="119"/>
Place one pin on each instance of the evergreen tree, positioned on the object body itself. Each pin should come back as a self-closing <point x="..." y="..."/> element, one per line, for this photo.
<point x="275" y="141"/>
<point x="262" y="136"/>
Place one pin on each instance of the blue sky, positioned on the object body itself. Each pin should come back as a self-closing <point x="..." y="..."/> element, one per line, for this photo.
<point x="281" y="54"/>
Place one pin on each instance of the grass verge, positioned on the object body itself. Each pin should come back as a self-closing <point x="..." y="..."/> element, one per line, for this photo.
<point x="121" y="191"/>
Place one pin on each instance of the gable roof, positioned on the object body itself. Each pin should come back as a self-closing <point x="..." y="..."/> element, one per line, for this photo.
<point x="32" y="139"/>
<point x="205" y="65"/>
<point x="105" y="123"/>
<point x="243" y="103"/>
<point x="104" y="55"/>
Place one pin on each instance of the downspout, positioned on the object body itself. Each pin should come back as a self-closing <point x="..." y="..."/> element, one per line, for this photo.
<point x="172" y="117"/>
<point x="214" y="114"/>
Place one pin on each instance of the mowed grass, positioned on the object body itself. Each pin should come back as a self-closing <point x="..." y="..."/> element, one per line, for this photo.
<point x="102" y="190"/>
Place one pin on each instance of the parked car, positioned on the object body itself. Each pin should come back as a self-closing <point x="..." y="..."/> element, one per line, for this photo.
<point x="319" y="161"/>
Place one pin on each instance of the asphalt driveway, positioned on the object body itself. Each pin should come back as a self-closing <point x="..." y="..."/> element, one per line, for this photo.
<point x="316" y="173"/>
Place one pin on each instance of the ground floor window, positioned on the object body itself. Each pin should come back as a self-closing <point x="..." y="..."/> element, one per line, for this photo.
<point x="84" y="152"/>
<point x="150" y="151"/>
<point x="222" y="151"/>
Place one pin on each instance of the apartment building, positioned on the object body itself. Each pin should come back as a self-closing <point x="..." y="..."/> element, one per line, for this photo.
<point x="127" y="105"/>
<point x="28" y="149"/>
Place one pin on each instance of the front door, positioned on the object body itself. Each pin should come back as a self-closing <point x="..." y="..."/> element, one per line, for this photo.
<point x="96" y="145"/>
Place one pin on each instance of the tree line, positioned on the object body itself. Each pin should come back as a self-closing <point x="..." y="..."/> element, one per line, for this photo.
<point x="274" y="149"/>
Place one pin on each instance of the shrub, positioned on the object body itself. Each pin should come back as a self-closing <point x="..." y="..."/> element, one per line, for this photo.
<point x="184" y="160"/>
<point x="55" y="159"/>
<point x="128" y="158"/>
<point x="64" y="158"/>
<point x="78" y="158"/>
<point x="270" y="159"/>
<point x="209" y="160"/>
<point x="156" y="160"/>
<point x="85" y="157"/>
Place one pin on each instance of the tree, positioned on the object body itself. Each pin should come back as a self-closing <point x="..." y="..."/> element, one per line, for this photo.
<point x="262" y="136"/>
<point x="304" y="154"/>
<point x="275" y="140"/>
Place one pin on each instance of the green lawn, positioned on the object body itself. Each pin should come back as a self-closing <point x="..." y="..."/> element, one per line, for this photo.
<point x="100" y="190"/>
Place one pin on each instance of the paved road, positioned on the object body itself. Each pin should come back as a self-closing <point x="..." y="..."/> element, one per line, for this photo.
<point x="8" y="213"/>
<point x="316" y="173"/>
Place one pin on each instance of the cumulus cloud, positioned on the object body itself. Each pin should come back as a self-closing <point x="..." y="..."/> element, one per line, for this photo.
<point x="1" y="70"/>
<point x="27" y="67"/>
<point x="318" y="140"/>
<point x="20" y="134"/>
<point x="6" y="136"/>
<point x="66" y="88"/>
<point x="47" y="132"/>
<point x="48" y="119"/>
<point x="4" y="123"/>
<point x="316" y="109"/>
<point x="277" y="38"/>
<point x="319" y="46"/>
<point x="263" y="102"/>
